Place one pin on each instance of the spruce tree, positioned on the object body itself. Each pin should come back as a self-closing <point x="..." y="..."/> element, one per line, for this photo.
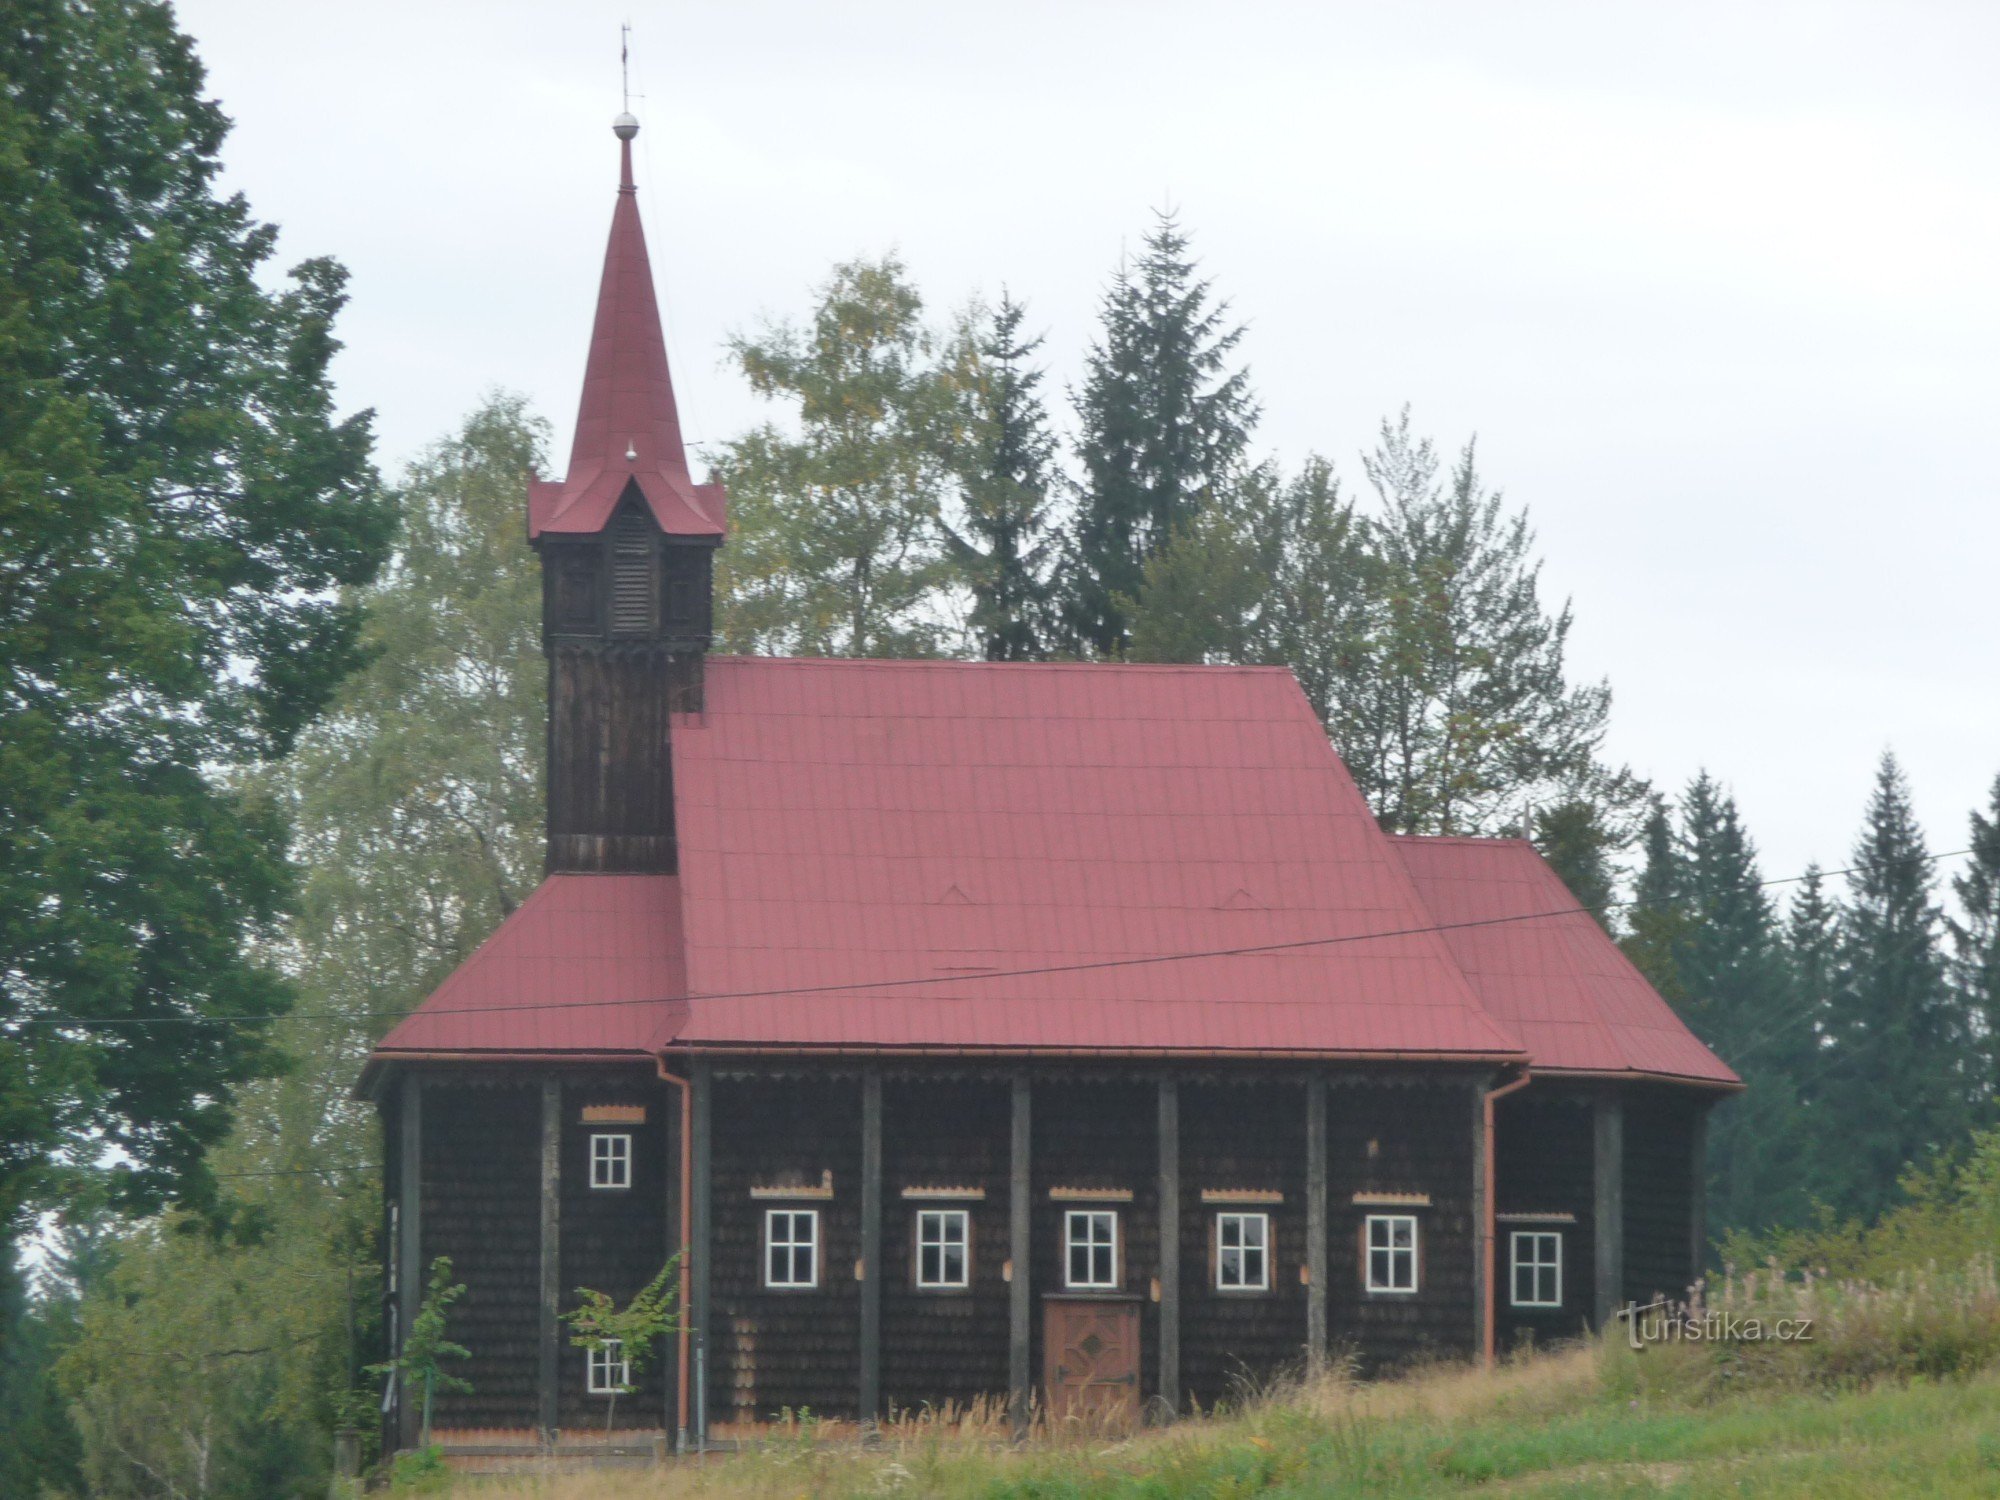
<point x="1896" y="1080"/>
<point x="1002" y="459"/>
<point x="1975" y="937"/>
<point x="1574" y="838"/>
<point x="1657" y="919"/>
<point x="1812" y="962"/>
<point x="1164" y="424"/>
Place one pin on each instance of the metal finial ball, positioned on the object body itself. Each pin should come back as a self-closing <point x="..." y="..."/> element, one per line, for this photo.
<point x="625" y="127"/>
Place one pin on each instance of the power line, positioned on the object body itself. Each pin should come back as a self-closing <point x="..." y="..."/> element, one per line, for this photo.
<point x="853" y="986"/>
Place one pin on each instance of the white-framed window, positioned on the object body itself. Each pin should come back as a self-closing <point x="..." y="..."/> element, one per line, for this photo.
<point x="1537" y="1261"/>
<point x="610" y="1160"/>
<point x="1243" y="1252"/>
<point x="1090" y="1247"/>
<point x="791" y="1247"/>
<point x="944" y="1243"/>
<point x="1392" y="1252"/>
<point x="606" y="1368"/>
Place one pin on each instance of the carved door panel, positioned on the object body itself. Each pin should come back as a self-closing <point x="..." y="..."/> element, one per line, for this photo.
<point x="1090" y="1357"/>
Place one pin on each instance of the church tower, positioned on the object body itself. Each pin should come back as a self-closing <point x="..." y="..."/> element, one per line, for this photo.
<point x="627" y="543"/>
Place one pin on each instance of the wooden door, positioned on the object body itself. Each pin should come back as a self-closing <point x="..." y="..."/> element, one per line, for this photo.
<point x="1090" y="1359"/>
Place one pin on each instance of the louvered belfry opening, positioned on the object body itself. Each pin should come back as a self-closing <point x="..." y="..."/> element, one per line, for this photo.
<point x="634" y="574"/>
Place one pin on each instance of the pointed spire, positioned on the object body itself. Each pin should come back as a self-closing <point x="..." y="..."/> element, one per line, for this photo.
<point x="628" y="432"/>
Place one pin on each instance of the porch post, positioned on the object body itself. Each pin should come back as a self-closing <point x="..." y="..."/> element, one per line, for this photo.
<point x="1482" y="1229"/>
<point x="1698" y="1196"/>
<point x="701" y="1080"/>
<point x="1316" y="1272"/>
<point x="1608" y="1206"/>
<point x="549" y="1341"/>
<point x="869" y="1401"/>
<point x="410" y="1246"/>
<point x="1020" y="1307"/>
<point x="1170" y="1245"/>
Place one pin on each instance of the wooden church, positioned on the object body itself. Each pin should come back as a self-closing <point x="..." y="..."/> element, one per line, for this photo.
<point x="1068" y="1036"/>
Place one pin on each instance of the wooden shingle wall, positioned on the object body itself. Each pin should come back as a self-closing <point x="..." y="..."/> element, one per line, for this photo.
<point x="1542" y="1164"/>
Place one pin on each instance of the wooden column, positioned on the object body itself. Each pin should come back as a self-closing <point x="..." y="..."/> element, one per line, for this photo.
<point x="1482" y="1241"/>
<point x="702" y="1082"/>
<point x="1170" y="1245"/>
<point x="549" y="1334"/>
<point x="1698" y="1196"/>
<point x="1608" y="1207"/>
<point x="869" y="1400"/>
<point x="671" y="1229"/>
<point x="1020" y="1306"/>
<point x="1316" y="1272"/>
<point x="410" y="1243"/>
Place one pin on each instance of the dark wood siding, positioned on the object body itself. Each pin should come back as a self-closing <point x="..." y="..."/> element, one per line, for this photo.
<point x="938" y="1346"/>
<point x="1659" y="1180"/>
<point x="1543" y="1152"/>
<point x="1099" y="1133"/>
<point x="481" y="1205"/>
<point x="775" y="1350"/>
<point x="1411" y="1137"/>
<point x="610" y="783"/>
<point x="613" y="1241"/>
<point x="1234" y="1136"/>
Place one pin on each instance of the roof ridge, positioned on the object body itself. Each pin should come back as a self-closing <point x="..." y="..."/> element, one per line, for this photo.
<point x="936" y="663"/>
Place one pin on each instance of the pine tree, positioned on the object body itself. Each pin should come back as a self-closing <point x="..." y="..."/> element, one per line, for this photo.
<point x="1164" y="427"/>
<point x="1465" y="709"/>
<point x="1812" y="962"/>
<point x="1896" y="1080"/>
<point x="1003" y="462"/>
<point x="1657" y="919"/>
<point x="1975" y="938"/>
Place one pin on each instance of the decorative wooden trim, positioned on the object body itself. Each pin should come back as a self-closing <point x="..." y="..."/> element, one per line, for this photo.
<point x="1090" y="1195"/>
<point x="1241" y="1195"/>
<point x="614" y="1114"/>
<point x="1393" y="1200"/>
<point x="824" y="1189"/>
<point x="1536" y="1218"/>
<point x="946" y="1194"/>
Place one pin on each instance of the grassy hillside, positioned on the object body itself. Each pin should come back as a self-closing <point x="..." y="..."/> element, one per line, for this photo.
<point x="1581" y="1422"/>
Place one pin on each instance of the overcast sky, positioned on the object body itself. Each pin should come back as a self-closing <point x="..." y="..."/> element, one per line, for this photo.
<point x="1715" y="284"/>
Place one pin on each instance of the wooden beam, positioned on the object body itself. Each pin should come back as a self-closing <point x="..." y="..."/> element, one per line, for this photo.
<point x="1170" y="1245"/>
<point x="702" y="1082"/>
<point x="869" y="1401"/>
<point x="1608" y="1206"/>
<point x="1698" y="1196"/>
<point x="1020" y="1306"/>
<point x="670" y="1233"/>
<point x="1316" y="1258"/>
<point x="549" y="1334"/>
<point x="410" y="1247"/>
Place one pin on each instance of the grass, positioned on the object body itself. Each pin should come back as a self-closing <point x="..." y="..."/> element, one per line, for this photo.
<point x="1586" y="1421"/>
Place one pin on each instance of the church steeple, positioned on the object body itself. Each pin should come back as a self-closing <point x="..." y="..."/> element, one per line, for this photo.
<point x="627" y="541"/>
<point x="628" y="430"/>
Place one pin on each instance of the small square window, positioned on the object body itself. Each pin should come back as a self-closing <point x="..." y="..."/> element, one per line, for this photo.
<point x="1090" y="1245"/>
<point x="1243" y="1252"/>
<point x="610" y="1161"/>
<point x="1537" y="1257"/>
<point x="609" y="1373"/>
<point x="1392" y="1253"/>
<point x="791" y="1247"/>
<point x="943" y="1248"/>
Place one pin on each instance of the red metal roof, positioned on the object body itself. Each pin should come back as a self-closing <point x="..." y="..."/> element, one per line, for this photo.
<point x="844" y="823"/>
<point x="627" y="406"/>
<point x="1557" y="981"/>
<point x="588" y="963"/>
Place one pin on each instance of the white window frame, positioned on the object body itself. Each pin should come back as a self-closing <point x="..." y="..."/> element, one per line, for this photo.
<point x="791" y="1243"/>
<point x="1535" y="1241"/>
<point x="610" y="1159"/>
<point x="606" y="1370"/>
<point x="935" y="1228"/>
<point x="1400" y="1256"/>
<point x="1247" y="1254"/>
<point x="1089" y="1220"/>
